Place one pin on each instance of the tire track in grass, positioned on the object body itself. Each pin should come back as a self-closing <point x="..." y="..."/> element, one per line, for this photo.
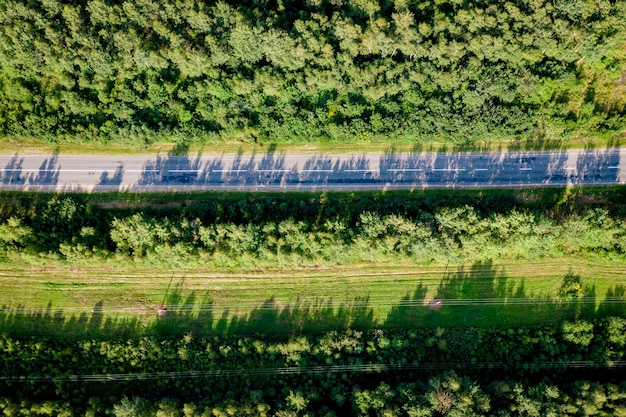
<point x="241" y="293"/>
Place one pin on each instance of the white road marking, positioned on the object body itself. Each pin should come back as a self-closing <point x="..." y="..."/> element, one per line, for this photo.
<point x="50" y="170"/>
<point x="229" y="170"/>
<point x="448" y="169"/>
<point x="273" y="170"/>
<point x="405" y="169"/>
<point x="76" y="170"/>
<point x="317" y="170"/>
<point x="570" y="168"/>
<point x="184" y="170"/>
<point x="357" y="170"/>
<point x="525" y="169"/>
<point x="481" y="169"/>
<point x="613" y="167"/>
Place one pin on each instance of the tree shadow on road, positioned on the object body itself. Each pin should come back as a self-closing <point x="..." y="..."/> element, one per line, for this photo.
<point x="12" y="172"/>
<point x="114" y="179"/>
<point x="48" y="173"/>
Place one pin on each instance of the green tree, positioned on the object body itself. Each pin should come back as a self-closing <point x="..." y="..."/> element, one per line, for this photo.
<point x="59" y="220"/>
<point x="579" y="332"/>
<point x="137" y="234"/>
<point x="15" y="234"/>
<point x="245" y="43"/>
<point x="135" y="407"/>
<point x="297" y="401"/>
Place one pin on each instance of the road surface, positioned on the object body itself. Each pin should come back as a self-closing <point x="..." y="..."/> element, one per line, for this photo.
<point x="273" y="171"/>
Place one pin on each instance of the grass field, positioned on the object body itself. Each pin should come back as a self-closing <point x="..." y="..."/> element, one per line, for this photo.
<point x="25" y="145"/>
<point x="109" y="302"/>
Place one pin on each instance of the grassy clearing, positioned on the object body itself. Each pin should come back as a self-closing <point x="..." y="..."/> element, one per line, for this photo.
<point x="62" y="302"/>
<point x="30" y="146"/>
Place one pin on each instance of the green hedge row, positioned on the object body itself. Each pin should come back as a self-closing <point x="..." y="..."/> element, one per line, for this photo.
<point x="312" y="229"/>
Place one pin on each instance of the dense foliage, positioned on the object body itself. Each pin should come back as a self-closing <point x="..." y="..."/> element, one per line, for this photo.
<point x="310" y="229"/>
<point x="447" y="394"/>
<point x="137" y="71"/>
<point x="455" y="372"/>
<point x="572" y="369"/>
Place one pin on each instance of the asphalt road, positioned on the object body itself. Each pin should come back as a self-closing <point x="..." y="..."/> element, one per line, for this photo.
<point x="279" y="171"/>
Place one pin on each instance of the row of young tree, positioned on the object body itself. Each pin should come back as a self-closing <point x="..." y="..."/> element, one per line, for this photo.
<point x="429" y="372"/>
<point x="445" y="395"/>
<point x="137" y="71"/>
<point x="301" y="231"/>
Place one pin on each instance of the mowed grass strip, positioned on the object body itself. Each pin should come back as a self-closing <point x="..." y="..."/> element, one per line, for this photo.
<point x="25" y="145"/>
<point x="66" y="302"/>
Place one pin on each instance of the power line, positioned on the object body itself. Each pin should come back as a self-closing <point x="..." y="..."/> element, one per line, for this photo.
<point x="361" y="368"/>
<point x="320" y="304"/>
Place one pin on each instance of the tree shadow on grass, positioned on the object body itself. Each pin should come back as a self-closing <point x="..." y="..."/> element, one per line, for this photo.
<point x="183" y="313"/>
<point x="300" y="317"/>
<point x="57" y="323"/>
<point x="411" y="311"/>
<point x="200" y="315"/>
<point x="479" y="296"/>
<point x="613" y="304"/>
<point x="482" y="296"/>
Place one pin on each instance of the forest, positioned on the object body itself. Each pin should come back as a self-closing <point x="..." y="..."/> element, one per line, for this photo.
<point x="136" y="72"/>
<point x="572" y="370"/>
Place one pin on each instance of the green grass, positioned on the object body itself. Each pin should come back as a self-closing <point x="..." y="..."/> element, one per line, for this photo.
<point x="30" y="145"/>
<point x="124" y="302"/>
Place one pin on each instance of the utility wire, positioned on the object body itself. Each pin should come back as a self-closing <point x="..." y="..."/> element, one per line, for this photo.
<point x="321" y="304"/>
<point x="364" y="368"/>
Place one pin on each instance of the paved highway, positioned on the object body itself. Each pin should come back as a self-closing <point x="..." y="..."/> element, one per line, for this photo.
<point x="279" y="171"/>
